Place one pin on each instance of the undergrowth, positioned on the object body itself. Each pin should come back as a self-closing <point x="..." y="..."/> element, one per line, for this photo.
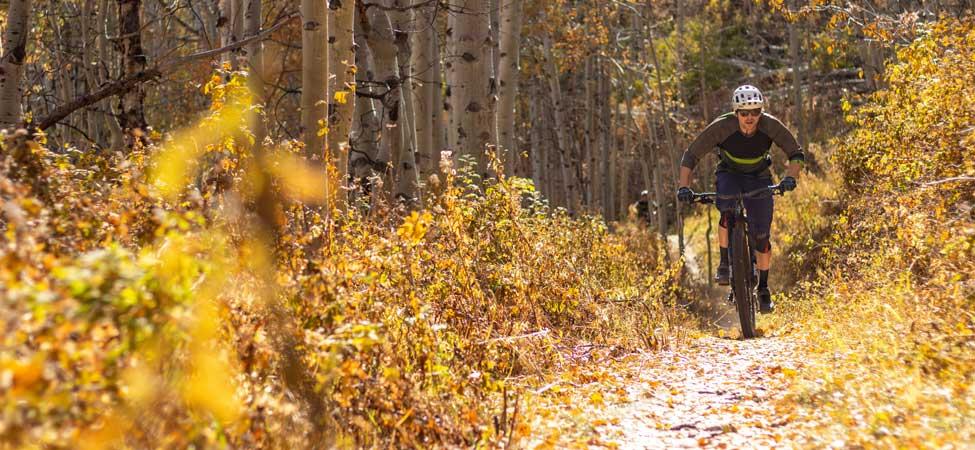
<point x="890" y="317"/>
<point x="132" y="316"/>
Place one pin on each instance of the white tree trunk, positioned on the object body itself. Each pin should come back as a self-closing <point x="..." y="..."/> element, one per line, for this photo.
<point x="595" y="164"/>
<point x="439" y="123"/>
<point x="797" y="115"/>
<point x="567" y="170"/>
<point x="12" y="62"/>
<point x="210" y="15"/>
<point x="313" y="75"/>
<point x="623" y="150"/>
<point x="88" y="69"/>
<point x="62" y="80"/>
<point x="255" y="69"/>
<point x="381" y="41"/>
<point x="407" y="177"/>
<point x="511" y="14"/>
<point x="604" y="142"/>
<point x="425" y="51"/>
<point x="468" y="70"/>
<point x="537" y="154"/>
<point x="665" y="120"/>
<point x="364" y="160"/>
<point x="231" y="26"/>
<point x="342" y="102"/>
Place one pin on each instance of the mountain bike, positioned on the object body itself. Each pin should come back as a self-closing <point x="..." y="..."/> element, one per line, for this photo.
<point x="743" y="274"/>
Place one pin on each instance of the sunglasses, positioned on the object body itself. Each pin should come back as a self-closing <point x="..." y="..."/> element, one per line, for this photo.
<point x="750" y="112"/>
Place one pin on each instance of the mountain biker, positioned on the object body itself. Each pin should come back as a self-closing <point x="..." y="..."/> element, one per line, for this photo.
<point x="744" y="137"/>
<point x="643" y="207"/>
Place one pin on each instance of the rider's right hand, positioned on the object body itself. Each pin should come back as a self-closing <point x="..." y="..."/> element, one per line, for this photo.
<point x="685" y="194"/>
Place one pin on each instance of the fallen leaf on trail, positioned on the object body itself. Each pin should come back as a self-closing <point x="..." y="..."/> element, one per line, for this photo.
<point x="596" y="398"/>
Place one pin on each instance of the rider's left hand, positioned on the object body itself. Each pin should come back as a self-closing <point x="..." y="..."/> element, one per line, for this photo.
<point x="788" y="184"/>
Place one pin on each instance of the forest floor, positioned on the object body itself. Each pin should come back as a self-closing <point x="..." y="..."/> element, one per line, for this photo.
<point x="715" y="391"/>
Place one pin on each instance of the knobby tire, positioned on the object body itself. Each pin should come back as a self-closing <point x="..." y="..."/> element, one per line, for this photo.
<point x="741" y="279"/>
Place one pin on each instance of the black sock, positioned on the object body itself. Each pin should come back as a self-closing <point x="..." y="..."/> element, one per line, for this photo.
<point x="763" y="279"/>
<point x="724" y="255"/>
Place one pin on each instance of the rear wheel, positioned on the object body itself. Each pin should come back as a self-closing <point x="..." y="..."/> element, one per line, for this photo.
<point x="741" y="279"/>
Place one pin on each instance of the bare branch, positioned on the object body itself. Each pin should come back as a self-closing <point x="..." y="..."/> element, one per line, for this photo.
<point x="124" y="85"/>
<point x="949" y="180"/>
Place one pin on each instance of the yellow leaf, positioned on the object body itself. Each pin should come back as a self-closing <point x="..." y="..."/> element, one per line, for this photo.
<point x="25" y="374"/>
<point x="414" y="227"/>
<point x="596" y="398"/>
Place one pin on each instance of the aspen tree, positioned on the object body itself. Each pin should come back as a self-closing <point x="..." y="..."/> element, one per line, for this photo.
<point x="132" y="115"/>
<point x="511" y="15"/>
<point x="364" y="160"/>
<point x="405" y="169"/>
<point x="12" y="62"/>
<point x="381" y="40"/>
<point x="425" y="71"/>
<point x="468" y="71"/>
<point x="313" y="81"/>
<point x="255" y="69"/>
<point x="342" y="102"/>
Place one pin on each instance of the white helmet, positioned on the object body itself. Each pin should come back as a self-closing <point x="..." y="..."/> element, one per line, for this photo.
<point x="747" y="97"/>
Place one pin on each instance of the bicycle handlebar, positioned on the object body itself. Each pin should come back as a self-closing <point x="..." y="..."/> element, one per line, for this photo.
<point x="710" y="197"/>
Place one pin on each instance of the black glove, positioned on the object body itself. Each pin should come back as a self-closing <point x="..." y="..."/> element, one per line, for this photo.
<point x="788" y="184"/>
<point x="685" y="194"/>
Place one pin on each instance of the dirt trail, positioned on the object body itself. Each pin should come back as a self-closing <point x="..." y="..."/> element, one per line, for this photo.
<point x="718" y="393"/>
<point x="714" y="392"/>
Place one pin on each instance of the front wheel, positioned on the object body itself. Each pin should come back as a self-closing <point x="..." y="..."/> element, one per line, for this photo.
<point x="741" y="279"/>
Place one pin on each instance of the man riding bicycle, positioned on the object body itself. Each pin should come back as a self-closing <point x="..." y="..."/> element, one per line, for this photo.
<point x="744" y="137"/>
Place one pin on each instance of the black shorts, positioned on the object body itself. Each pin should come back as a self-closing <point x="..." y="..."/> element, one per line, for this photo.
<point x="758" y="210"/>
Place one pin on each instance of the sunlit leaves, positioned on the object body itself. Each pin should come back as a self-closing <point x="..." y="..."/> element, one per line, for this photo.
<point x="342" y="97"/>
<point x="890" y="382"/>
<point x="414" y="227"/>
<point x="178" y="161"/>
<point x="412" y="323"/>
